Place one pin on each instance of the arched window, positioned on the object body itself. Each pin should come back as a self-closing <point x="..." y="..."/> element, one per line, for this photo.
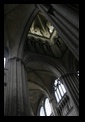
<point x="59" y="90"/>
<point x="64" y="105"/>
<point x="45" y="109"/>
<point x="78" y="73"/>
<point x="4" y="62"/>
<point x="42" y="112"/>
<point x="48" y="107"/>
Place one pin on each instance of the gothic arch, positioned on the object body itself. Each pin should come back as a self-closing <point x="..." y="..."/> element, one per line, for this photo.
<point x="25" y="31"/>
<point x="17" y="101"/>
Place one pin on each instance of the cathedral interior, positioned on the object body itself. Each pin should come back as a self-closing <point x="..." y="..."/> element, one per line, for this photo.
<point x="41" y="59"/>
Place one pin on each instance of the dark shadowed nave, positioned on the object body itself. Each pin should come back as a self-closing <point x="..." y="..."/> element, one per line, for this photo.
<point x="41" y="59"/>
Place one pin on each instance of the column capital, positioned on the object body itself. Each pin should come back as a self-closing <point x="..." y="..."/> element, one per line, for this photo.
<point x="12" y="58"/>
<point x="51" y="99"/>
<point x="16" y="58"/>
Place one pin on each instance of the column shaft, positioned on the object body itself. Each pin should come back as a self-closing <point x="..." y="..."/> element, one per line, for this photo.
<point x="17" y="97"/>
<point x="72" y="90"/>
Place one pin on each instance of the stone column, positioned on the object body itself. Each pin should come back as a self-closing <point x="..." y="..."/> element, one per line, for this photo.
<point x="5" y="87"/>
<point x="17" y="101"/>
<point x="71" y="82"/>
<point x="53" y="104"/>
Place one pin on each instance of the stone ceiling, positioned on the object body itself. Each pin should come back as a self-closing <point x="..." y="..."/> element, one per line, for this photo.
<point x="15" y="17"/>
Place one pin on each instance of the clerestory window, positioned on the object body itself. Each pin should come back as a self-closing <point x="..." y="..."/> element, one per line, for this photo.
<point x="45" y="109"/>
<point x="59" y="90"/>
<point x="4" y="62"/>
